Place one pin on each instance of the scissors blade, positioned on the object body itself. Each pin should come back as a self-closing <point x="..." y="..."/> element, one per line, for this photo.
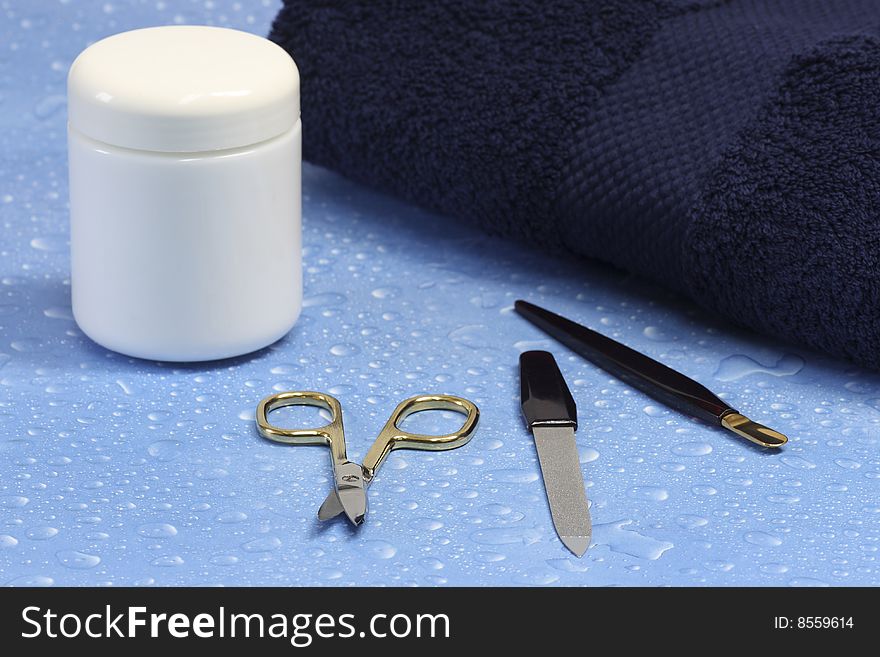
<point x="349" y="495"/>
<point x="331" y="507"/>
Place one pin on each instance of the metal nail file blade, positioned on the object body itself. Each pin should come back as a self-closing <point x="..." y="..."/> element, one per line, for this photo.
<point x="551" y="414"/>
<point x="564" y="482"/>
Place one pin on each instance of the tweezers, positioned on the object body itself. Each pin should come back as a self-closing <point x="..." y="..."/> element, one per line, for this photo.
<point x="646" y="374"/>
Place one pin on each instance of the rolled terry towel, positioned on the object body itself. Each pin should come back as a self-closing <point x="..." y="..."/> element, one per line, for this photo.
<point x="729" y="149"/>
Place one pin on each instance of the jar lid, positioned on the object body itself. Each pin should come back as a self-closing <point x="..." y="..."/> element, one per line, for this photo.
<point x="183" y="88"/>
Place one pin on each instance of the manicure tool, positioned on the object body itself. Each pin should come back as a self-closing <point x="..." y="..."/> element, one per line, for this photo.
<point x="350" y="480"/>
<point x="655" y="379"/>
<point x="551" y="414"/>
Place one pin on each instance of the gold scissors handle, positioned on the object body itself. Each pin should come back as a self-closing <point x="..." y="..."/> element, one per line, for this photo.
<point x="331" y="434"/>
<point x="393" y="437"/>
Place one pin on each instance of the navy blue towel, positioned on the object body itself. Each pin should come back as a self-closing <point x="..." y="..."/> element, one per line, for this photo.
<point x="729" y="149"/>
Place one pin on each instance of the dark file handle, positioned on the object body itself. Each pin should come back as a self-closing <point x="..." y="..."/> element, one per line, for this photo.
<point x="546" y="399"/>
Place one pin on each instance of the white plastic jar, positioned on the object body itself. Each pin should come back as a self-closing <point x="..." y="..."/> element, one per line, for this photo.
<point x="185" y="211"/>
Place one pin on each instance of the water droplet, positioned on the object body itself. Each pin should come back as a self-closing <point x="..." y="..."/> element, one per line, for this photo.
<point x="49" y="106"/>
<point x="654" y="411"/>
<point x="473" y="336"/>
<point x="41" y="533"/>
<point x="52" y="243"/>
<point x="344" y="349"/>
<point x="657" y="334"/>
<point x="232" y="517"/>
<point x="157" y="530"/>
<point x="774" y="568"/>
<point x="126" y="387"/>
<point x="536" y="577"/>
<point x="806" y="582"/>
<point x="738" y="366"/>
<point x="692" y="449"/>
<point x="26" y="345"/>
<point x="7" y="541"/>
<point x="797" y="462"/>
<point x="167" y="561"/>
<point x="378" y="549"/>
<point x="164" y="450"/>
<point x="568" y="565"/>
<point x="425" y="524"/>
<point x="719" y="566"/>
<point x="385" y="292"/>
<point x="783" y="498"/>
<point x="691" y="521"/>
<point x="763" y="539"/>
<point x="528" y="345"/>
<point x="496" y="509"/>
<point x="859" y="387"/>
<point x="506" y="536"/>
<point x="224" y="560"/>
<point x="77" y="560"/>
<point x="652" y="493"/>
<point x="13" y="501"/>
<point x="59" y="312"/>
<point x="264" y="544"/>
<point x="587" y="454"/>
<point x="628" y="541"/>
<point x="31" y="580"/>
<point x="324" y="299"/>
<point x="511" y="476"/>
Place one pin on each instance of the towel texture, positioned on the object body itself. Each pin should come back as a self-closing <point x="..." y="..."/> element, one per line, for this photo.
<point x="729" y="149"/>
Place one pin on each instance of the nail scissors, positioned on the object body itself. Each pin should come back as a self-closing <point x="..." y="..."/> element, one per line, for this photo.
<point x="350" y="480"/>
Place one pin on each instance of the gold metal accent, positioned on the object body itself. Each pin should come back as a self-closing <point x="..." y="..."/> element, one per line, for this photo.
<point x="331" y="434"/>
<point x="757" y="433"/>
<point x="393" y="437"/>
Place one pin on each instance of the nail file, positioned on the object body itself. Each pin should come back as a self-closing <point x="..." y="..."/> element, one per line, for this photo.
<point x="551" y="414"/>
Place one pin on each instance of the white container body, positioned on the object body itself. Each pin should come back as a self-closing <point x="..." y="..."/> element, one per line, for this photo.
<point x="186" y="256"/>
<point x="185" y="219"/>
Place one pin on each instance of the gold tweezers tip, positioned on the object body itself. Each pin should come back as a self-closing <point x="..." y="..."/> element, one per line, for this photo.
<point x="756" y="433"/>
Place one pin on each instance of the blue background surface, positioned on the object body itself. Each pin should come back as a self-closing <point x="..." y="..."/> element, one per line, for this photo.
<point x="115" y="471"/>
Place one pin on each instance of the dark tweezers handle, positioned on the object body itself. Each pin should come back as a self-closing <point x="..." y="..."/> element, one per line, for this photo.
<point x="546" y="399"/>
<point x="653" y="378"/>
